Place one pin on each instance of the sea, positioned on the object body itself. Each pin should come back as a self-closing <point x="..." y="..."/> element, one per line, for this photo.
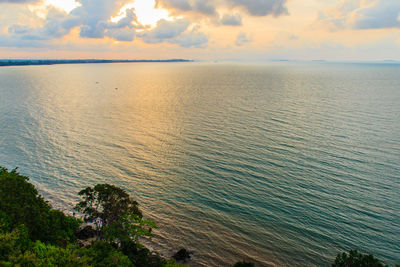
<point x="278" y="163"/>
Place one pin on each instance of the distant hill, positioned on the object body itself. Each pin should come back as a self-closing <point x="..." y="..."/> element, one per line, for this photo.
<point x="25" y="62"/>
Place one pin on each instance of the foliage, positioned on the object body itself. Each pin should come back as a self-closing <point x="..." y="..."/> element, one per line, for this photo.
<point x="356" y="259"/>
<point x="244" y="264"/>
<point x="5" y="224"/>
<point x="105" y="204"/>
<point x="172" y="263"/>
<point x="34" y="234"/>
<point x="61" y="227"/>
<point x="22" y="204"/>
<point x="128" y="227"/>
<point x="47" y="255"/>
<point x="13" y="243"/>
<point x="104" y="254"/>
<point x="142" y="257"/>
<point x="123" y="229"/>
<point x="100" y="254"/>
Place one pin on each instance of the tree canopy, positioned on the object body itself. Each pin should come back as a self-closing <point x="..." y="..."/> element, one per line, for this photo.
<point x="34" y="234"/>
<point x="21" y="203"/>
<point x="105" y="204"/>
<point x="356" y="259"/>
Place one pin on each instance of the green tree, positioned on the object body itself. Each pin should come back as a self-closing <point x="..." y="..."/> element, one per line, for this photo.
<point x="102" y="254"/>
<point x="22" y="204"/>
<point x="48" y="255"/>
<point x="105" y="204"/>
<point x="5" y="224"/>
<point x="143" y="257"/>
<point x="13" y="243"/>
<point x="119" y="222"/>
<point x="356" y="259"/>
<point x="34" y="234"/>
<point x="128" y="227"/>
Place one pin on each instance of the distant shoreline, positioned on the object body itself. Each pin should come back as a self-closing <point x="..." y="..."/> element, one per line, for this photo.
<point x="36" y="62"/>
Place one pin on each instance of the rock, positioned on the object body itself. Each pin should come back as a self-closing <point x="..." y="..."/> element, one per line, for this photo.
<point x="85" y="233"/>
<point x="182" y="255"/>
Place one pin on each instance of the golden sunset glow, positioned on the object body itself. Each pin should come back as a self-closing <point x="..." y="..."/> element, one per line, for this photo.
<point x="145" y="11"/>
<point x="207" y="30"/>
<point x="66" y="5"/>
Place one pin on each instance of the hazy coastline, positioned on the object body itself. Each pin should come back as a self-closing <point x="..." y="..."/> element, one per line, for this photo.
<point x="30" y="62"/>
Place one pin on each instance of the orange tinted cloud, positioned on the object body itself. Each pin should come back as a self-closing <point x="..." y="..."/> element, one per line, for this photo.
<point x="201" y="29"/>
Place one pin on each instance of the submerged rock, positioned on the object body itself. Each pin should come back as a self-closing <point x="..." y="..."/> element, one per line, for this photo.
<point x="183" y="255"/>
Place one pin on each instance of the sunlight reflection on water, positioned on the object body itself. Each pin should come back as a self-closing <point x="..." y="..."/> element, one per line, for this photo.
<point x="278" y="163"/>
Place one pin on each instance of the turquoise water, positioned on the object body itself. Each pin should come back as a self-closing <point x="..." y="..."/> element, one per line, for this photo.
<point x="283" y="164"/>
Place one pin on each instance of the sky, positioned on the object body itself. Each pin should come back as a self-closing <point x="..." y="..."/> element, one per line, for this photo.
<point x="243" y="30"/>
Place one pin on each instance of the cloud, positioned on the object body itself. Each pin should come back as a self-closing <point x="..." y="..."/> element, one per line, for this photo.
<point x="175" y="32"/>
<point x="192" y="39"/>
<point x="126" y="21"/>
<point x="20" y="1"/>
<point x="362" y="14"/>
<point x="9" y="41"/>
<point x="123" y="35"/>
<point x="19" y="29"/>
<point x="57" y="24"/>
<point x="165" y="30"/>
<point x="232" y="20"/>
<point x="183" y="5"/>
<point x="384" y="14"/>
<point x="242" y="39"/>
<point x="209" y="7"/>
<point x="262" y="7"/>
<point x="52" y="28"/>
<point x="92" y="18"/>
<point x="206" y="7"/>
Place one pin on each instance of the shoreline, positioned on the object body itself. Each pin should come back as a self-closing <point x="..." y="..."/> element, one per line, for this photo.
<point x="40" y="62"/>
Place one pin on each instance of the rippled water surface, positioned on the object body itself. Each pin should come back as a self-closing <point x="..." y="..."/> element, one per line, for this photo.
<point x="281" y="163"/>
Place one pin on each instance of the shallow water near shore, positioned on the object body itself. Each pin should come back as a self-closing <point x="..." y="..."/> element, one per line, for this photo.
<point x="280" y="163"/>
